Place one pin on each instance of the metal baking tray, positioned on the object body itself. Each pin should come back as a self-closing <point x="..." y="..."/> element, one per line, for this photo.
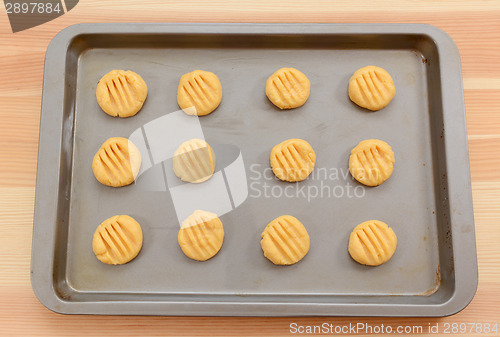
<point x="427" y="201"/>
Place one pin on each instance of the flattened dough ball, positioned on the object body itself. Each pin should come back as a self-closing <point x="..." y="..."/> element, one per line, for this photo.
<point x="117" y="240"/>
<point x="121" y="93"/>
<point x="199" y="93"/>
<point x="194" y="161"/>
<point x="117" y="162"/>
<point x="293" y="160"/>
<point x="371" y="162"/>
<point x="285" y="240"/>
<point x="288" y="88"/>
<point x="371" y="87"/>
<point x="372" y="243"/>
<point x="201" y="235"/>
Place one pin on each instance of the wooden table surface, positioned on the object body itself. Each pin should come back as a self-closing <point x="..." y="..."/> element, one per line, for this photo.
<point x="475" y="27"/>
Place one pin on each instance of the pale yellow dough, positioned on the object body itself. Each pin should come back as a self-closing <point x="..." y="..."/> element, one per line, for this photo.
<point x="117" y="240"/>
<point x="194" y="161"/>
<point x="199" y="93"/>
<point x="371" y="162"/>
<point x="285" y="240"/>
<point x="372" y="243"/>
<point x="371" y="87"/>
<point x="121" y="93"/>
<point x="117" y="162"/>
<point x="288" y="88"/>
<point x="293" y="160"/>
<point x="201" y="235"/>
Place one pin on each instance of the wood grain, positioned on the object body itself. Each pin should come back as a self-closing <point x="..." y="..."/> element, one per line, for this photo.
<point x="475" y="27"/>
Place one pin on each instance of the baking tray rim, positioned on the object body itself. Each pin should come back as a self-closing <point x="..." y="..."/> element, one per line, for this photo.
<point x="456" y="151"/>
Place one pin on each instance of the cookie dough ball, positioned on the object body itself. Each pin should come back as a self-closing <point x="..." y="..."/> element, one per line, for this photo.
<point x="117" y="162"/>
<point x="371" y="162"/>
<point x="199" y="93"/>
<point x="372" y="88"/>
<point x="117" y="240"/>
<point x="121" y="93"/>
<point x="288" y="88"/>
<point x="194" y="161"/>
<point x="201" y="235"/>
<point x="285" y="240"/>
<point x="372" y="243"/>
<point x="293" y="160"/>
